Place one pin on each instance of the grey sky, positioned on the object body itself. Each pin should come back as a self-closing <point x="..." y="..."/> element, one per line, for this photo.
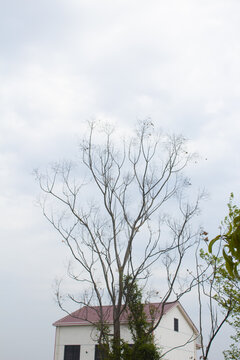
<point x="65" y="61"/>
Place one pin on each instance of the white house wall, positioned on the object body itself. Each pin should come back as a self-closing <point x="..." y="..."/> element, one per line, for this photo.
<point x="165" y="335"/>
<point x="84" y="336"/>
<point x="74" y="335"/>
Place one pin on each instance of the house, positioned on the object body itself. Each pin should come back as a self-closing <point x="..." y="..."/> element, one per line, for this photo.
<point x="76" y="335"/>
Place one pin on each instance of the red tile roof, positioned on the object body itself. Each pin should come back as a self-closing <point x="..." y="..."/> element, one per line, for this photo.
<point x="91" y="314"/>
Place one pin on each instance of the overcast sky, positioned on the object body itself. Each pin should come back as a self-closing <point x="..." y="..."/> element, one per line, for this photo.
<point x="65" y="61"/>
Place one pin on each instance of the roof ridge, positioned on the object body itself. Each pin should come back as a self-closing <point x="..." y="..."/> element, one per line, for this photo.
<point x="82" y="317"/>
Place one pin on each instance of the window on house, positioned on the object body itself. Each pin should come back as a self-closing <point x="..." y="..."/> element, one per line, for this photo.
<point x="176" y="325"/>
<point x="72" y="352"/>
<point x="99" y="353"/>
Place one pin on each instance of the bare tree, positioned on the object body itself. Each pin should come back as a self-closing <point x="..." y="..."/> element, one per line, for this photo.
<point x="216" y="297"/>
<point x="114" y="222"/>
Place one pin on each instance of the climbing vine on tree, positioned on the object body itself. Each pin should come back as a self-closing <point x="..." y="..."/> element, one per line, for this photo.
<point x="140" y="327"/>
<point x="143" y="346"/>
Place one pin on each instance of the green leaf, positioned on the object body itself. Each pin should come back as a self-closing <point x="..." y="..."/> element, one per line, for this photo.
<point x="212" y="242"/>
<point x="236" y="220"/>
<point x="229" y="263"/>
<point x="235" y="271"/>
<point x="238" y="253"/>
<point x="229" y="230"/>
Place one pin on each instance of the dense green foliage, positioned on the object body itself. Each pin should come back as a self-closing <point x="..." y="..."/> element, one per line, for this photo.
<point x="143" y="346"/>
<point x="227" y="295"/>
<point x="232" y="290"/>
<point x="142" y="351"/>
<point x="140" y="327"/>
<point x="227" y="278"/>
<point x="233" y="353"/>
<point x="231" y="240"/>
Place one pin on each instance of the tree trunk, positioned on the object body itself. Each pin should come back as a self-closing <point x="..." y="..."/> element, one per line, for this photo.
<point x="116" y="334"/>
